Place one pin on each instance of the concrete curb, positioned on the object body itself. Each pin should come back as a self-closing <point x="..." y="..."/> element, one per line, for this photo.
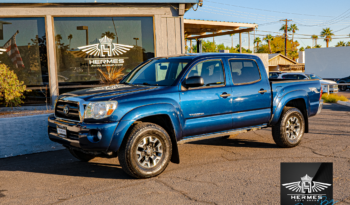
<point x="25" y="135"/>
<point x="344" y="103"/>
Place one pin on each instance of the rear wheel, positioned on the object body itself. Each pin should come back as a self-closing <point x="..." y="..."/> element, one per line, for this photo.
<point x="146" y="151"/>
<point x="81" y="155"/>
<point x="290" y="128"/>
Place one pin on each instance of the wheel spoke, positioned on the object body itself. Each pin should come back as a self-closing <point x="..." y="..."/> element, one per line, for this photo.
<point x="149" y="152"/>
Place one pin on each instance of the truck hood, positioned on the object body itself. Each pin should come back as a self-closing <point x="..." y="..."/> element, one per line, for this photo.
<point x="111" y="91"/>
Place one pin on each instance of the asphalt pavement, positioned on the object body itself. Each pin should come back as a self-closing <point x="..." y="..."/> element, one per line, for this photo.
<point x="244" y="169"/>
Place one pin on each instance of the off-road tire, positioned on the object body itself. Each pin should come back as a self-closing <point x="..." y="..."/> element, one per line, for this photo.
<point x="127" y="153"/>
<point x="81" y="155"/>
<point x="279" y="130"/>
<point x="343" y="87"/>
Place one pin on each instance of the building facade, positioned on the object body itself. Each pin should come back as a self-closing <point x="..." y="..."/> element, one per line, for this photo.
<point x="64" y="45"/>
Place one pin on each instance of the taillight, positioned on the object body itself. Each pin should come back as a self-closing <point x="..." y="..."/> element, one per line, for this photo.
<point x="321" y="93"/>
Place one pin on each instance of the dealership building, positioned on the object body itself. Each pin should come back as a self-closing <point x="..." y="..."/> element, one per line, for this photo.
<point x="61" y="44"/>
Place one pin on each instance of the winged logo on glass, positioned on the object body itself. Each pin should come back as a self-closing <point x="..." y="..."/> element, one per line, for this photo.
<point x="105" y="47"/>
<point x="306" y="183"/>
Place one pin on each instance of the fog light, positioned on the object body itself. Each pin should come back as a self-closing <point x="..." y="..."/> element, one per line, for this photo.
<point x="99" y="135"/>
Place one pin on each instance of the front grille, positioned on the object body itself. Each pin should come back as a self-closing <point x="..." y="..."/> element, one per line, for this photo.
<point x="70" y="135"/>
<point x="73" y="113"/>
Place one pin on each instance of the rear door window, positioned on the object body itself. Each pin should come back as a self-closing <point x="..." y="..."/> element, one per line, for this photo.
<point x="244" y="71"/>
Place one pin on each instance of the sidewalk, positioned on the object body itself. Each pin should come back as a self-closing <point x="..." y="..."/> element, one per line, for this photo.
<point x="25" y="135"/>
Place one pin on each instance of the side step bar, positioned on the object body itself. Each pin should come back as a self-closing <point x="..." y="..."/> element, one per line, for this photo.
<point x="221" y="134"/>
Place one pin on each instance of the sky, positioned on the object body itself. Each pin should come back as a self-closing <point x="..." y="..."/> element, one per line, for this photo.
<point x="310" y="16"/>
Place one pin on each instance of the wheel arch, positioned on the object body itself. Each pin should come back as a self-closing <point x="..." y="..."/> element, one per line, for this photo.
<point x="164" y="115"/>
<point x="298" y="99"/>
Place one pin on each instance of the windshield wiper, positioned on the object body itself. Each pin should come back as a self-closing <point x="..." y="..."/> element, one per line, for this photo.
<point x="218" y="83"/>
<point x="125" y="83"/>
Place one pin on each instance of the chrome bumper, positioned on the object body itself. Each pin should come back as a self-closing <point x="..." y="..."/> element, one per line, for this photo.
<point x="320" y="106"/>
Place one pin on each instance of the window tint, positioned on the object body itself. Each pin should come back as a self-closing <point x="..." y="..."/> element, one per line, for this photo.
<point x="211" y="71"/>
<point x="292" y="77"/>
<point x="244" y="71"/>
<point x="301" y="77"/>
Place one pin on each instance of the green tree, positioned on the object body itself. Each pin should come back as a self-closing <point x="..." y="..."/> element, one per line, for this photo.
<point x="314" y="38"/>
<point x="302" y="49"/>
<point x="318" y="46"/>
<point x="11" y="89"/>
<point x="257" y="40"/>
<point x="327" y="34"/>
<point x="348" y="43"/>
<point x="108" y="34"/>
<point x="268" y="38"/>
<point x="341" y="44"/>
<point x="293" y="54"/>
<point x="70" y="39"/>
<point x="209" y="47"/>
<point x="308" y="47"/>
<point x="293" y="28"/>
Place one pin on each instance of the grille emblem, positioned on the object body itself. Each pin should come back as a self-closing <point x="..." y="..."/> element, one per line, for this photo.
<point x="66" y="110"/>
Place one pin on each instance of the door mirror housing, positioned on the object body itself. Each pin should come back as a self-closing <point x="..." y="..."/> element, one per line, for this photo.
<point x="194" y="81"/>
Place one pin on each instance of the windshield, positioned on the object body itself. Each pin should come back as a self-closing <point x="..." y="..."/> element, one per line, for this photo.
<point x="312" y="76"/>
<point x="162" y="72"/>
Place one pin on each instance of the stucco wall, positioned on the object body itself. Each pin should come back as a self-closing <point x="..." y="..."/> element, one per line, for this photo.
<point x="328" y="62"/>
<point x="265" y="59"/>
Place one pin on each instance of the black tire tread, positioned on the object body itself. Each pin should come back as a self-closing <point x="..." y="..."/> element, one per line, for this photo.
<point x="277" y="132"/>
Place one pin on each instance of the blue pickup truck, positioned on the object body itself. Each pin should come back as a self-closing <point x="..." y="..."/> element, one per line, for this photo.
<point x="168" y="100"/>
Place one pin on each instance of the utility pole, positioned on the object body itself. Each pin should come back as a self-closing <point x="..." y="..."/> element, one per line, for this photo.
<point x="285" y="36"/>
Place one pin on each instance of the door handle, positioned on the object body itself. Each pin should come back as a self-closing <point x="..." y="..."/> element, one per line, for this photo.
<point x="262" y="91"/>
<point x="225" y="95"/>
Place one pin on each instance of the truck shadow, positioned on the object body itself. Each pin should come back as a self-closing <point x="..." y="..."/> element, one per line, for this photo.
<point x="234" y="142"/>
<point x="62" y="163"/>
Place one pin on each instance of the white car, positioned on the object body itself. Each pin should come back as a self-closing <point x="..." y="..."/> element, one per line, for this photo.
<point x="333" y="87"/>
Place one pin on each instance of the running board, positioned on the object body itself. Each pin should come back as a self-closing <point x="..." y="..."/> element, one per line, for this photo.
<point x="221" y="134"/>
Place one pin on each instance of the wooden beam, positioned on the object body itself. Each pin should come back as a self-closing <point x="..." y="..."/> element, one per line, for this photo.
<point x="222" y="34"/>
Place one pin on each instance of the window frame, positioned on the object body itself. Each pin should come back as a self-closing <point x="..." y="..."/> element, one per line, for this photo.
<point x="247" y="60"/>
<point x="206" y="87"/>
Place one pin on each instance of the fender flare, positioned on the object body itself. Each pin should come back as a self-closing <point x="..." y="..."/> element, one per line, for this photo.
<point x="282" y="101"/>
<point x="147" y="111"/>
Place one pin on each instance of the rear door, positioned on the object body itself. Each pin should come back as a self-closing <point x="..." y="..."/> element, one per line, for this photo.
<point x="251" y="94"/>
<point x="208" y="108"/>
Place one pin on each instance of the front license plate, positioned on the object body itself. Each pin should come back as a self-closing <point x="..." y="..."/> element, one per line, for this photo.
<point x="62" y="131"/>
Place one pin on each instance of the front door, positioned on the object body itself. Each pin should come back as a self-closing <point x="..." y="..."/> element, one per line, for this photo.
<point x="251" y="94"/>
<point x="208" y="108"/>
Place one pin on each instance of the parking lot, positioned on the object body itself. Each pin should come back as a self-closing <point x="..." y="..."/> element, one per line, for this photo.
<point x="240" y="170"/>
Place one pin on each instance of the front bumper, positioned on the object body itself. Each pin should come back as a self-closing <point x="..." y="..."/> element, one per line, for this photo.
<point x="79" y="135"/>
<point x="320" y="106"/>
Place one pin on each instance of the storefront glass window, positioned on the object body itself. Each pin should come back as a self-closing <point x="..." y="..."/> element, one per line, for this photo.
<point x="86" y="44"/>
<point x="23" y="50"/>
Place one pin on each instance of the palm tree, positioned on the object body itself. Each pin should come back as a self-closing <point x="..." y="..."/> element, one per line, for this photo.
<point x="348" y="43"/>
<point x="268" y="39"/>
<point x="302" y="49"/>
<point x="308" y="47"/>
<point x="327" y="34"/>
<point x="70" y="38"/>
<point x="314" y="38"/>
<point x="293" y="28"/>
<point x="318" y="46"/>
<point x="232" y="40"/>
<point x="341" y="44"/>
<point x="108" y="34"/>
<point x="283" y="28"/>
<point x="257" y="40"/>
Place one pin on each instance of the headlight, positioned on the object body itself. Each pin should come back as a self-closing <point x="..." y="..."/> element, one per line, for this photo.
<point x="99" y="110"/>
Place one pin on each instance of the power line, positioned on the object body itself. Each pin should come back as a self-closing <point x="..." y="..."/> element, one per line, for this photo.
<point x="267" y="10"/>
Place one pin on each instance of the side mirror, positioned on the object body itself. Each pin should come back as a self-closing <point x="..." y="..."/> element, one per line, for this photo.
<point x="194" y="81"/>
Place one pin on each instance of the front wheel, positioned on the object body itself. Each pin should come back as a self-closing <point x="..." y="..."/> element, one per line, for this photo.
<point x="146" y="151"/>
<point x="289" y="129"/>
<point x="343" y="87"/>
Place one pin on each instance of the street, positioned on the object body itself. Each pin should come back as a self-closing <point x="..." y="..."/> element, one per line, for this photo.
<point x="238" y="170"/>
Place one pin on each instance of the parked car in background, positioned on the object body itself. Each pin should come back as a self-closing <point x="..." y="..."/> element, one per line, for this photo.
<point x="344" y="80"/>
<point x="333" y="87"/>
